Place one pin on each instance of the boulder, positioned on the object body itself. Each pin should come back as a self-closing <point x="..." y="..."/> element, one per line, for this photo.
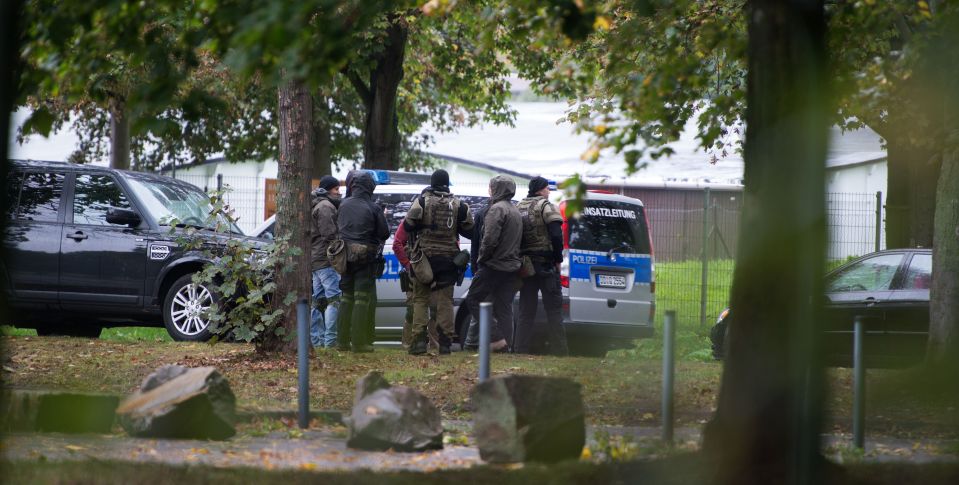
<point x="161" y="376"/>
<point x="520" y="418"/>
<point x="392" y="417"/>
<point x="58" y="411"/>
<point x="195" y="404"/>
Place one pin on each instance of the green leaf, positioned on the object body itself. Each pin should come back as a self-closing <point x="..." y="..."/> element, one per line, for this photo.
<point x="40" y="122"/>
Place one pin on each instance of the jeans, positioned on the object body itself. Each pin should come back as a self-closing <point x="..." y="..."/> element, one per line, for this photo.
<point x="326" y="284"/>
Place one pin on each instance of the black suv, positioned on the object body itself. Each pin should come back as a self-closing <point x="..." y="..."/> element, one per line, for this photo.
<point x="90" y="247"/>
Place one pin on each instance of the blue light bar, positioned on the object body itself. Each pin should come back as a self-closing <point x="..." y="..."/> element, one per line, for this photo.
<point x="381" y="177"/>
<point x="552" y="185"/>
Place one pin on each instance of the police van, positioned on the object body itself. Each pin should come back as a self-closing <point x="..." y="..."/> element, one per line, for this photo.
<point x="607" y="272"/>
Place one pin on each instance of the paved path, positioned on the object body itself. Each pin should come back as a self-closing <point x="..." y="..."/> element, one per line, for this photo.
<point x="325" y="449"/>
<point x="319" y="450"/>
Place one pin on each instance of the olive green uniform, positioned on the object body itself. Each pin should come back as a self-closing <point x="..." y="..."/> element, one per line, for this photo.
<point x="437" y="218"/>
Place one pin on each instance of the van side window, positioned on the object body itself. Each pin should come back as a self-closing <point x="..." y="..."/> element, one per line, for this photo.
<point x="40" y="196"/>
<point x="94" y="195"/>
<point x="12" y="195"/>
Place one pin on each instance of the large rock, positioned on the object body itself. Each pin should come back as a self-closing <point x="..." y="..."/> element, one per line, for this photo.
<point x="161" y="376"/>
<point x="528" y="418"/>
<point x="57" y="411"/>
<point x="194" y="404"/>
<point x="386" y="417"/>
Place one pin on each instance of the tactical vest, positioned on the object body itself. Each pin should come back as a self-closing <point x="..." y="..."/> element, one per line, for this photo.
<point x="535" y="235"/>
<point x="439" y="232"/>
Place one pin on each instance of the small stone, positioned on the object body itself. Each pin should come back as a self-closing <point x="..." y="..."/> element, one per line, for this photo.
<point x="520" y="418"/>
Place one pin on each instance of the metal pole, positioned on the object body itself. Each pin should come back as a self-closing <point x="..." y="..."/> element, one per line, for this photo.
<point x="705" y="277"/>
<point x="485" y="320"/>
<point x="303" y="361"/>
<point x="878" y="220"/>
<point x="669" y="338"/>
<point x="219" y="182"/>
<point x="859" y="386"/>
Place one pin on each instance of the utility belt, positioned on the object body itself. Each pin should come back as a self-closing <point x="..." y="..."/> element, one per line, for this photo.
<point x="341" y="252"/>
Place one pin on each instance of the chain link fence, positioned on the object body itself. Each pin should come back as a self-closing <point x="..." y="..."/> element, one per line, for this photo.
<point x="695" y="237"/>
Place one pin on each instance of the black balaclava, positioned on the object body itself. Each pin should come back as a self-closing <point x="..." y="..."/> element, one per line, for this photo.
<point x="537" y="184"/>
<point x="440" y="180"/>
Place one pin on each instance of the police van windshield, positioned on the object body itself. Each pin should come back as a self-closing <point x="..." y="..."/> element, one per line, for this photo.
<point x="608" y="225"/>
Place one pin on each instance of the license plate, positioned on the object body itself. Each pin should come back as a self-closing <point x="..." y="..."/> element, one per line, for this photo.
<point x="610" y="281"/>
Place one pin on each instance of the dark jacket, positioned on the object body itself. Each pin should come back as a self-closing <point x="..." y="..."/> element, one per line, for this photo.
<point x="502" y="228"/>
<point x="359" y="219"/>
<point x="323" y="228"/>
<point x="478" y="235"/>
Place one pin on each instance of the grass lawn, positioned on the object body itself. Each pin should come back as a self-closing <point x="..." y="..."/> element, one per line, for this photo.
<point x="618" y="390"/>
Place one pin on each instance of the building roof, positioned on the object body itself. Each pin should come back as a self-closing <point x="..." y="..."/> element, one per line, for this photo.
<point x="540" y="145"/>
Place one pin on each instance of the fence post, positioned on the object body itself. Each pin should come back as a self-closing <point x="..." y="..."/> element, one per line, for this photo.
<point x="669" y="337"/>
<point x="859" y="385"/>
<point x="878" y="220"/>
<point x="705" y="261"/>
<point x="303" y="364"/>
<point x="219" y="182"/>
<point x="485" y="320"/>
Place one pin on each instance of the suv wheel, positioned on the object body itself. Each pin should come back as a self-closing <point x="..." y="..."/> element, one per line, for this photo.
<point x="184" y="310"/>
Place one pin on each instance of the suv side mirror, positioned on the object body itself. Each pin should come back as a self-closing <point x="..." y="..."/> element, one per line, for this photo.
<point x="123" y="217"/>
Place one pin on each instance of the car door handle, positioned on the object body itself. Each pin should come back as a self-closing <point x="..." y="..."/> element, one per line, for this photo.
<point x="77" y="236"/>
<point x="870" y="301"/>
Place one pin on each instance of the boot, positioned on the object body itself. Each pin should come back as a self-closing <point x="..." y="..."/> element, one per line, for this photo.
<point x="418" y="346"/>
<point x="443" y="343"/>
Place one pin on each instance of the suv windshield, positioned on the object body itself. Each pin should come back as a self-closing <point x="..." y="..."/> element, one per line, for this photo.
<point x="165" y="201"/>
<point x="607" y="225"/>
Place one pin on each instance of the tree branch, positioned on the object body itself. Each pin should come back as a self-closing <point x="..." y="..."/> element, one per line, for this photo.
<point x="362" y="90"/>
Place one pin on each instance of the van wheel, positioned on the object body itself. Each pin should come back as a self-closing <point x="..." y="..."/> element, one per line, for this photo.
<point x="70" y="330"/>
<point x="184" y="310"/>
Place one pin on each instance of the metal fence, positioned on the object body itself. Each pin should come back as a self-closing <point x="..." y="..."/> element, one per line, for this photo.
<point x="695" y="235"/>
<point x="245" y="195"/>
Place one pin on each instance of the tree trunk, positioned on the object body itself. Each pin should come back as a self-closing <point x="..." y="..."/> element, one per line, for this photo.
<point x="910" y="205"/>
<point x="323" y="141"/>
<point x="381" y="137"/>
<point x="119" y="137"/>
<point x="767" y="421"/>
<point x="944" y="294"/>
<point x="293" y="207"/>
<point x="943" y="349"/>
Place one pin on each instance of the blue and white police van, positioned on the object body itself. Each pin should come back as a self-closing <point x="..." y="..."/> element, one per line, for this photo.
<point x="607" y="272"/>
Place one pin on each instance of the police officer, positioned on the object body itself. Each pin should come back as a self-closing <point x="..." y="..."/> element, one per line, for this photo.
<point x="362" y="227"/>
<point x="543" y="244"/>
<point x="435" y="221"/>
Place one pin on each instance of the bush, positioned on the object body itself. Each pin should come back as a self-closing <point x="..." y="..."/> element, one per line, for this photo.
<point x="241" y="277"/>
